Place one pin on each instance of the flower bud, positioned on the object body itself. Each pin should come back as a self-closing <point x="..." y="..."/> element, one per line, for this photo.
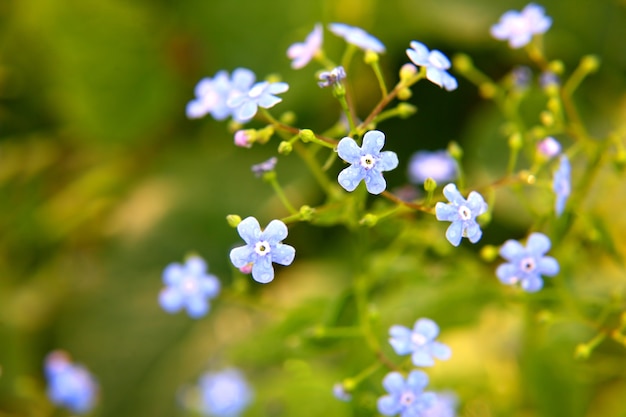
<point x="233" y="220"/>
<point x="306" y="135"/>
<point x="285" y="148"/>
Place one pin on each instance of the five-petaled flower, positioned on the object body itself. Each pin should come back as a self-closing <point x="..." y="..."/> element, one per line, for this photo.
<point x="438" y="165"/>
<point x="188" y="286"/>
<point x="357" y="37"/>
<point x="436" y="64"/>
<point x="526" y="265"/>
<point x="69" y="385"/>
<point x="262" y="248"/>
<point x="225" y="393"/>
<point x="561" y="184"/>
<point x="212" y="94"/>
<point x="302" y="52"/>
<point x="367" y="162"/>
<point x="519" y="27"/>
<point x="332" y="77"/>
<point x="406" y="397"/>
<point x="419" y="342"/>
<point x="244" y="104"/>
<point x="462" y="213"/>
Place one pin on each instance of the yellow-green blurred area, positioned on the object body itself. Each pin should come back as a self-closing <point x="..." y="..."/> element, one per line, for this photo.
<point x="104" y="181"/>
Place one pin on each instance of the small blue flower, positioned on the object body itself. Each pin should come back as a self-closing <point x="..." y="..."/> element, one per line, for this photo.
<point x="357" y="37"/>
<point x="462" y="213"/>
<point x="340" y="392"/>
<point x="561" y="184"/>
<point x="225" y="393"/>
<point x="527" y="264"/>
<point x="213" y="93"/>
<point x="262" y="248"/>
<point x="438" y="165"/>
<point x="406" y="397"/>
<point x="419" y="342"/>
<point x="69" y="385"/>
<point x="436" y="64"/>
<point x="519" y="27"/>
<point x="302" y="53"/>
<point x="265" y="166"/>
<point x="549" y="147"/>
<point x="368" y="162"/>
<point x="188" y="286"/>
<point x="445" y="406"/>
<point x="244" y="104"/>
<point x="332" y="77"/>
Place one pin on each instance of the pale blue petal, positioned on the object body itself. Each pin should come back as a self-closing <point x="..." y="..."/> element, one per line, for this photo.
<point x="538" y="244"/>
<point x="195" y="109"/>
<point x="171" y="300"/>
<point x="349" y="151"/>
<point x="242" y="256"/>
<point x="440" y="351"/>
<point x="173" y="274"/>
<point x="388" y="161"/>
<point x="421" y="357"/>
<point x="449" y="82"/>
<point x="373" y="142"/>
<point x="242" y="79"/>
<point x="507" y="273"/>
<point x="393" y="382"/>
<point x="249" y="230"/>
<point x="532" y="283"/>
<point x="453" y="195"/>
<point x="434" y="75"/>
<point x="548" y="266"/>
<point x="350" y="177"/>
<point x="438" y="60"/>
<point x="400" y="339"/>
<point x="446" y="212"/>
<point x="375" y="182"/>
<point x="476" y="203"/>
<point x="196" y="265"/>
<point x="388" y="406"/>
<point x="246" y="111"/>
<point x="275" y="231"/>
<point x="209" y="286"/>
<point x="197" y="307"/>
<point x="418" y="53"/>
<point x="427" y="328"/>
<point x="262" y="270"/>
<point x="473" y="231"/>
<point x="277" y="88"/>
<point x="268" y="101"/>
<point x="283" y="254"/>
<point x="511" y="250"/>
<point x="455" y="233"/>
<point x="417" y="380"/>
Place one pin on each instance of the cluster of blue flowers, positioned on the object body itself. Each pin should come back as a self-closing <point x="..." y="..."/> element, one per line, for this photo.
<point x="69" y="385"/>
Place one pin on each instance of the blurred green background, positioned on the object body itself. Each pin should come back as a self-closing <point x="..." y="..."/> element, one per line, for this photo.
<point x="104" y="181"/>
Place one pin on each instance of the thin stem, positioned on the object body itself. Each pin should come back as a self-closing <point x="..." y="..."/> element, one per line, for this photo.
<point x="271" y="178"/>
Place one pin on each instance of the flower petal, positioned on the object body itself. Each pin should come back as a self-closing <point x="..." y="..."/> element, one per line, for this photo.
<point x="268" y="101"/>
<point x="400" y="339"/>
<point x="418" y="53"/>
<point x="375" y="182"/>
<point x="350" y="177"/>
<point x="262" y="270"/>
<point x="440" y="351"/>
<point x="511" y="250"/>
<point x="547" y="265"/>
<point x="453" y="195"/>
<point x="283" y="254"/>
<point x="349" y="151"/>
<point x="417" y="380"/>
<point x="455" y="233"/>
<point x="170" y="299"/>
<point x="507" y="273"/>
<point x="373" y="142"/>
<point x="388" y="406"/>
<point x="388" y="161"/>
<point x="421" y="357"/>
<point x="242" y="256"/>
<point x="197" y="307"/>
<point x="538" y="244"/>
<point x="427" y="328"/>
<point x="393" y="382"/>
<point x="446" y="212"/>
<point x="249" y="230"/>
<point x="532" y="283"/>
<point x="472" y="231"/>
<point x="173" y="274"/>
<point x="275" y="231"/>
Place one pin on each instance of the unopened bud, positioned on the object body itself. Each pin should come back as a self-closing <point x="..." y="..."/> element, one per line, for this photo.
<point x="233" y="220"/>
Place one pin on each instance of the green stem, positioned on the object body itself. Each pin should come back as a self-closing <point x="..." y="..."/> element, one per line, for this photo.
<point x="271" y="178"/>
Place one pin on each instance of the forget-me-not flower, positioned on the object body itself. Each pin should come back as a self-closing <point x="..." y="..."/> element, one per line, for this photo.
<point x="436" y="64"/>
<point x="69" y="385"/>
<point x="368" y="162"/>
<point x="244" y="104"/>
<point x="444" y="406"/>
<point x="225" y="393"/>
<point x="419" y="342"/>
<point x="406" y="397"/>
<point x="561" y="184"/>
<point x="189" y="287"/>
<point x="438" y="165"/>
<point x="302" y="52"/>
<point x="262" y="248"/>
<point x="212" y="93"/>
<point x="332" y="77"/>
<point x="357" y="37"/>
<point x="526" y="265"/>
<point x="462" y="213"/>
<point x="519" y="27"/>
<point x="549" y="147"/>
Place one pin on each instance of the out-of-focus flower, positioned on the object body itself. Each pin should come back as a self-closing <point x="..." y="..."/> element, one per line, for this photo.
<point x="244" y="104"/>
<point x="519" y="27"/>
<point x="561" y="184"/>
<point x="367" y="162"/>
<point x="549" y="79"/>
<point x="225" y="393"/>
<point x="357" y="37"/>
<point x="438" y="165"/>
<point x="339" y="391"/>
<point x="69" y="385"/>
<point x="526" y="265"/>
<point x="462" y="213"/>
<point x="301" y="53"/>
<point x="444" y="406"/>
<point x="262" y="248"/>
<point x="332" y="77"/>
<point x="549" y="147"/>
<point x="436" y="64"/>
<point x="522" y="76"/>
<point x="406" y="397"/>
<point x="265" y="166"/>
<point x="419" y="342"/>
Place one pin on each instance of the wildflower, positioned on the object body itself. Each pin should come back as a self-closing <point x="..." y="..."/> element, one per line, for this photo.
<point x="519" y="27"/>
<point x="549" y="147"/>
<point x="212" y="93"/>
<point x="444" y="406"/>
<point x="332" y="77"/>
<point x="262" y="248"/>
<point x="69" y="385"/>
<point x="436" y="64"/>
<point x="368" y="162"/>
<point x="527" y="264"/>
<point x="188" y="286"/>
<point x="302" y="53"/>
<point x="548" y="80"/>
<point x="438" y="165"/>
<point x="561" y="184"/>
<point x="419" y="342"/>
<point x="244" y="104"/>
<point x="357" y="37"/>
<point x="263" y="167"/>
<point x="225" y="393"/>
<point x="521" y="76"/>
<point x="462" y="213"/>
<point x="406" y="397"/>
<point x="340" y="392"/>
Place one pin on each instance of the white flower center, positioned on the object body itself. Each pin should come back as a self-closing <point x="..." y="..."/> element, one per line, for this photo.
<point x="407" y="398"/>
<point x="527" y="264"/>
<point x="190" y="285"/>
<point x="368" y="161"/>
<point x="418" y="339"/>
<point x="465" y="213"/>
<point x="262" y="248"/>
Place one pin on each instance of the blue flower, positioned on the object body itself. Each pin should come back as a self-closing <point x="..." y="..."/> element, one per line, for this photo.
<point x="561" y="184"/>
<point x="244" y="104"/>
<point x="357" y="37"/>
<point x="188" y="286"/>
<point x="419" y="342"/>
<point x="213" y="93"/>
<point x="527" y="264"/>
<point x="332" y="77"/>
<point x="444" y="406"/>
<point x="549" y="147"/>
<point x="225" y="393"/>
<point x="368" y="162"/>
<point x="436" y="64"/>
<point x="302" y="53"/>
<point x="438" y="165"/>
<point x="340" y="392"/>
<point x="262" y="248"/>
<point x="462" y="213"/>
<point x="406" y="397"/>
<point x="519" y="28"/>
<point x="69" y="385"/>
<point x="265" y="166"/>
